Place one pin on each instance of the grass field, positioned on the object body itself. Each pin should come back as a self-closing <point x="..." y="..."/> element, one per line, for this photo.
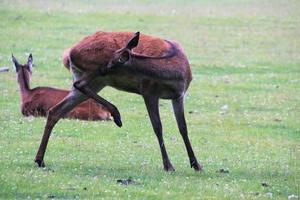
<point x="242" y="108"/>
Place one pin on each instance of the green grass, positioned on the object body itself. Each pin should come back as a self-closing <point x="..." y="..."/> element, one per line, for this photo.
<point x="244" y="54"/>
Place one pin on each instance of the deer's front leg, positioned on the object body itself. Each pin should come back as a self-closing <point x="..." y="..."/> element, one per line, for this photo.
<point x="55" y="113"/>
<point x="84" y="86"/>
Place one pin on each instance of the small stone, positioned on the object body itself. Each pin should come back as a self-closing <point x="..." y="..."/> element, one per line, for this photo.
<point x="51" y="196"/>
<point x="264" y="184"/>
<point x="225" y="171"/>
<point x="126" y="181"/>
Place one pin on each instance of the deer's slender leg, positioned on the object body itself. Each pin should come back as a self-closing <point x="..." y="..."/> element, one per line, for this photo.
<point x="55" y="113"/>
<point x="179" y="114"/>
<point x="85" y="84"/>
<point x="153" y="111"/>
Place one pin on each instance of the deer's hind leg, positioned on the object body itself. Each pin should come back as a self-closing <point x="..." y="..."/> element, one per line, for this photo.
<point x="178" y="108"/>
<point x="153" y="111"/>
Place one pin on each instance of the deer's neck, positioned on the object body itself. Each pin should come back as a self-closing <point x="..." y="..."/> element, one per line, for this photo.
<point x="23" y="79"/>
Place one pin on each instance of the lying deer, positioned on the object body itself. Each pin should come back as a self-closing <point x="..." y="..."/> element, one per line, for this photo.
<point x="157" y="68"/>
<point x="37" y="101"/>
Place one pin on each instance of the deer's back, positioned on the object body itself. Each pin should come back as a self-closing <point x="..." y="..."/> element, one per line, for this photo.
<point x="96" y="50"/>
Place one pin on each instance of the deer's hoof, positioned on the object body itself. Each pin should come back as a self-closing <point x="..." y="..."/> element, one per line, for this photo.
<point x="197" y="167"/>
<point x="118" y="121"/>
<point x="169" y="168"/>
<point x="39" y="162"/>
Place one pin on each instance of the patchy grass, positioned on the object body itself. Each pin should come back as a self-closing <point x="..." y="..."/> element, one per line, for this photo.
<point x="242" y="107"/>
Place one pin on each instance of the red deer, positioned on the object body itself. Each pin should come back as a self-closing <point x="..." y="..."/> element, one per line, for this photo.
<point x="37" y="101"/>
<point x="156" y="69"/>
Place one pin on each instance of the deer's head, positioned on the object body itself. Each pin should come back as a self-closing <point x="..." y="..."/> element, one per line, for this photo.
<point x="24" y="70"/>
<point x="28" y="66"/>
<point x="124" y="55"/>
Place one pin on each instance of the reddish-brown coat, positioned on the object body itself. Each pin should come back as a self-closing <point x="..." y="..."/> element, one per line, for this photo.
<point x="96" y="50"/>
<point x="38" y="101"/>
<point x="93" y="53"/>
<point x="138" y="63"/>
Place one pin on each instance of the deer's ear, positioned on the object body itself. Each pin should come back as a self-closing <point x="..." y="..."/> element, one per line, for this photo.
<point x="16" y="65"/>
<point x="124" y="57"/>
<point x="30" y="62"/>
<point x="133" y="42"/>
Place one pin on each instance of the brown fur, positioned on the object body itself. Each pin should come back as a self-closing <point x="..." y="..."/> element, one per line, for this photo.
<point x="152" y="67"/>
<point x="96" y="50"/>
<point x="38" y="101"/>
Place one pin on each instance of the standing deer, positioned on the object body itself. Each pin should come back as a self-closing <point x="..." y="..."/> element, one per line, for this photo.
<point x="156" y="69"/>
<point x="37" y="101"/>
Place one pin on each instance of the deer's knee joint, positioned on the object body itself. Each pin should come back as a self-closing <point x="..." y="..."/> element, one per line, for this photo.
<point x="78" y="84"/>
<point x="52" y="116"/>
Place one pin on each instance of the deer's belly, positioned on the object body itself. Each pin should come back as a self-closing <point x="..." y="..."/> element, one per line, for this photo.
<point x="165" y="89"/>
<point x="127" y="83"/>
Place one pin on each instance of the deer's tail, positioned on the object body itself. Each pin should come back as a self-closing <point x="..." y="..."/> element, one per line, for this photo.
<point x="66" y="58"/>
